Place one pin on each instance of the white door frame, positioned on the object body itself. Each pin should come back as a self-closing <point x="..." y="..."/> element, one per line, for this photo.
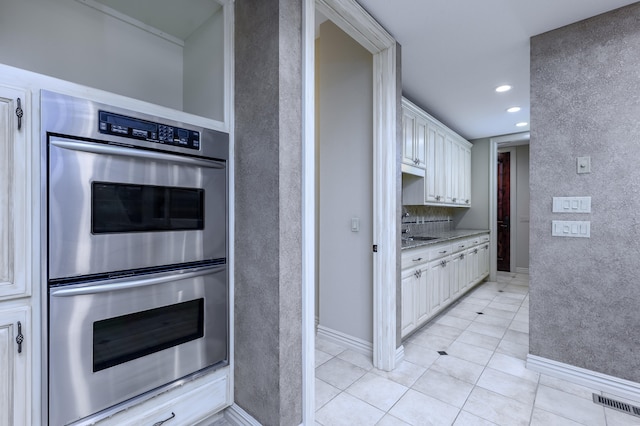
<point x="355" y="21"/>
<point x="496" y="143"/>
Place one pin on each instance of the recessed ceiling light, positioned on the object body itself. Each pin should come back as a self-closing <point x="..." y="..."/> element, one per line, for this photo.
<point x="513" y="109"/>
<point x="503" y="88"/>
<point x="522" y="124"/>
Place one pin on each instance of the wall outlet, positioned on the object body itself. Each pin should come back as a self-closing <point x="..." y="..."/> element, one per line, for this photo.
<point x="571" y="204"/>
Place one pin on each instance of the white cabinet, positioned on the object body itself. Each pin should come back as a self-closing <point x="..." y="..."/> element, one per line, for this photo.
<point x="408" y="315"/>
<point x="15" y="349"/>
<point x="15" y="177"/>
<point x="435" y="276"/>
<point x="414" y="130"/>
<point x="16" y="256"/>
<point x="445" y="165"/>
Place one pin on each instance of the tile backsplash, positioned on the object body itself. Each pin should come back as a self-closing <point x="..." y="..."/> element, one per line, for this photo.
<point x="426" y="220"/>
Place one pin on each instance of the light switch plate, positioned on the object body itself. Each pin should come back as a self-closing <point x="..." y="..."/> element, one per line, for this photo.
<point x="355" y="224"/>
<point x="571" y="228"/>
<point x="571" y="204"/>
<point x="584" y="165"/>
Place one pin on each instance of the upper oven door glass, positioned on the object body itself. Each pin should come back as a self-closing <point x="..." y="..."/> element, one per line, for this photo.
<point x="114" y="208"/>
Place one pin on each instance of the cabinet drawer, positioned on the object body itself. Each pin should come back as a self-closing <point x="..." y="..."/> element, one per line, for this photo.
<point x="421" y="255"/>
<point x="461" y="244"/>
<point x="186" y="405"/>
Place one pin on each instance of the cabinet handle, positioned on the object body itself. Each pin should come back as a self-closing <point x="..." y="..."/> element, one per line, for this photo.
<point x="454" y="199"/>
<point x="19" y="337"/>
<point x="467" y="201"/>
<point x="416" y="260"/>
<point x="475" y="251"/>
<point x="443" y="263"/>
<point x="442" y="252"/>
<point x="19" y="113"/>
<point x="461" y="246"/>
<point x="161" y="422"/>
<point x="462" y="256"/>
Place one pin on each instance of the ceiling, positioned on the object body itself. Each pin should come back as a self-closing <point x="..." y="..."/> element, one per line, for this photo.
<point x="456" y="52"/>
<point x="176" y="18"/>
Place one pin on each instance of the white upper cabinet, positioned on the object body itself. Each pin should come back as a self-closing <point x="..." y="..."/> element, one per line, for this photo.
<point x="437" y="159"/>
<point x="414" y="133"/>
<point x="15" y="214"/>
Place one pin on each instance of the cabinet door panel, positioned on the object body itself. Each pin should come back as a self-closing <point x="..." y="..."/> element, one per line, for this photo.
<point x="14" y="376"/>
<point x="408" y="123"/>
<point x="422" y="297"/>
<point x="420" y="141"/>
<point x="408" y="322"/>
<point x="15" y="217"/>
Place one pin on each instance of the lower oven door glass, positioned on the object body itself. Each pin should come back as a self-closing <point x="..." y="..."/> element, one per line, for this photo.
<point x="117" y="339"/>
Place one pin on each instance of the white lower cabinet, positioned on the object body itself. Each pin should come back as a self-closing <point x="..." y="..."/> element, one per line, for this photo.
<point x="435" y="277"/>
<point x="14" y="366"/>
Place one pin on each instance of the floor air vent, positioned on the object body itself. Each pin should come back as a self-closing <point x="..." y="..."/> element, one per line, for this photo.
<point x="616" y="405"/>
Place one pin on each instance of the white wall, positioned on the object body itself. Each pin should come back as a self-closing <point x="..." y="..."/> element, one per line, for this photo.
<point x="346" y="156"/>
<point x="71" y="41"/>
<point x="204" y="69"/>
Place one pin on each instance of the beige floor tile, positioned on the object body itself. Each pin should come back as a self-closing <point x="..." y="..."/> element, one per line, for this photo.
<point x="504" y="306"/>
<point x="428" y="340"/>
<point x="513" y="349"/>
<point x="487" y="329"/>
<point x="452" y="321"/>
<point x="416" y="408"/>
<point x="520" y="326"/>
<point x="497" y="408"/>
<point x="517" y="337"/>
<point x="545" y="418"/>
<point x="514" y="366"/>
<point x="469" y="352"/>
<point x="443" y="331"/>
<point x="420" y="355"/>
<point x="494" y="312"/>
<point x="328" y="347"/>
<point x="322" y="357"/>
<point x="443" y="387"/>
<point x="459" y="368"/>
<point x="348" y="410"/>
<point x="376" y="390"/>
<point x="507" y="385"/>
<point x="463" y="312"/>
<point x="324" y="393"/>
<point x="468" y="419"/>
<point x="357" y="359"/>
<point x="406" y="373"/>
<point x="570" y="406"/>
<point x="339" y="373"/>
<point x="569" y="387"/>
<point x="492" y="320"/>
<point x="479" y="340"/>
<point x="389" y="420"/>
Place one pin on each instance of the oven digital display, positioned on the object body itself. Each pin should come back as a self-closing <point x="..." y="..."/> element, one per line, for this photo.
<point x="124" y="208"/>
<point x="125" y="338"/>
<point x="129" y="127"/>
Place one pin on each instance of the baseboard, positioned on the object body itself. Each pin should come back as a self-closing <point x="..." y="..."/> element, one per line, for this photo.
<point x="582" y="376"/>
<point x="399" y="355"/>
<point x="238" y="417"/>
<point x="350" y="342"/>
<point x="522" y="270"/>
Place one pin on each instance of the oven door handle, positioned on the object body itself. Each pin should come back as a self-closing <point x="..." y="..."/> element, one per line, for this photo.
<point x="128" y="283"/>
<point x="97" y="148"/>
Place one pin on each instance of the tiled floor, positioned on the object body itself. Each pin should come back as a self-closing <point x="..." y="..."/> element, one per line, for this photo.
<point x="481" y="381"/>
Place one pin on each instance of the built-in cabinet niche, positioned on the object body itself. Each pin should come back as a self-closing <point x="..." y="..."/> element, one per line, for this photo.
<point x="161" y="51"/>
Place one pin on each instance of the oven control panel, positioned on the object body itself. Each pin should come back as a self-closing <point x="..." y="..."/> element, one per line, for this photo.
<point x="134" y="128"/>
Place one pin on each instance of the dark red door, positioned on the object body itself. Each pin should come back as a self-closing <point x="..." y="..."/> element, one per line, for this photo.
<point x="504" y="207"/>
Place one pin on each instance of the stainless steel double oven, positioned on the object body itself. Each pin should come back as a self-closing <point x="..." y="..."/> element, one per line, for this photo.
<point x="137" y="254"/>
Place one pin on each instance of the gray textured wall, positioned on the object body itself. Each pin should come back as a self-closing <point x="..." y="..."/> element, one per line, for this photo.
<point x="585" y="101"/>
<point x="268" y="143"/>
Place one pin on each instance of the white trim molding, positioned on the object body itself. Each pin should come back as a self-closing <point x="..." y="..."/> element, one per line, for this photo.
<point x="238" y="417"/>
<point x="399" y="354"/>
<point x="345" y="340"/>
<point x="520" y="270"/>
<point x="582" y="376"/>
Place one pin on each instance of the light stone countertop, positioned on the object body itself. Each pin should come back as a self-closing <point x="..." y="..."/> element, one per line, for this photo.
<point x="442" y="237"/>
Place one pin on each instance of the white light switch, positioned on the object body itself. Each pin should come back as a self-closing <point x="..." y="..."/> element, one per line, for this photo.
<point x="571" y="228"/>
<point x="571" y="204"/>
<point x="355" y="224"/>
